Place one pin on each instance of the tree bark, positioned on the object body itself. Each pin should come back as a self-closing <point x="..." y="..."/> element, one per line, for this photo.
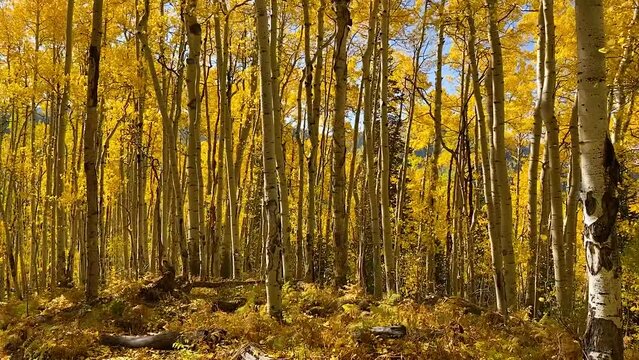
<point x="533" y="170"/>
<point x="194" y="37"/>
<point x="389" y="258"/>
<point x="619" y="82"/>
<point x="90" y="153"/>
<point x="367" y="77"/>
<point x="502" y="181"/>
<point x="600" y="176"/>
<point x="274" y="277"/>
<point x="340" y="225"/>
<point x="282" y="181"/>
<point x="168" y="133"/>
<point x="547" y="109"/>
<point x="570" y="223"/>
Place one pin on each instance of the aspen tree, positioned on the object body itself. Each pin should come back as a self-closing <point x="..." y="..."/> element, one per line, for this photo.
<point x="59" y="168"/>
<point x="619" y="82"/>
<point x="600" y="174"/>
<point x="313" y="126"/>
<point x="501" y="180"/>
<point x="308" y="97"/>
<point x="282" y="181"/>
<point x="299" y="139"/>
<point x="533" y="167"/>
<point x="369" y="98"/>
<point x="547" y="110"/>
<point x="437" y="148"/>
<point x="274" y="278"/>
<point x="389" y="258"/>
<point x="417" y="59"/>
<point x="168" y="132"/>
<point x="227" y="127"/>
<point x="194" y="38"/>
<point x="90" y="152"/>
<point x="570" y="222"/>
<point x="340" y="229"/>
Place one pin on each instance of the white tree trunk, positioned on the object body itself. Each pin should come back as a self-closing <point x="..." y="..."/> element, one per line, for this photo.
<point x="503" y="183"/>
<point x="493" y="231"/>
<point x="600" y="175"/>
<point x="274" y="277"/>
<point x="547" y="108"/>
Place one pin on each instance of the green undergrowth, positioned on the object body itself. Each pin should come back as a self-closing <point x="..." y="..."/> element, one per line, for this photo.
<point x="318" y="324"/>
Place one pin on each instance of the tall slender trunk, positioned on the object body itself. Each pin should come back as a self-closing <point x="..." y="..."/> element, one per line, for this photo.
<point x="227" y="126"/>
<point x="194" y="38"/>
<point x="503" y="184"/>
<point x="389" y="258"/>
<point x="274" y="277"/>
<point x="367" y="77"/>
<point x="308" y="92"/>
<point x="313" y="126"/>
<point x="340" y="224"/>
<point x="600" y="173"/>
<point x="169" y="134"/>
<point x="570" y="223"/>
<point x="437" y="148"/>
<point x="90" y="152"/>
<point x="401" y="188"/>
<point x="299" y="138"/>
<point x="282" y="181"/>
<point x="533" y="169"/>
<point x="619" y="82"/>
<point x="547" y="108"/>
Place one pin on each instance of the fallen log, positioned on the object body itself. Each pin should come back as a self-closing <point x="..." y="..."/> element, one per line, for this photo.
<point x="379" y="333"/>
<point x="250" y="352"/>
<point x="164" y="340"/>
<point x="161" y="341"/>
<point x="389" y="332"/>
<point x="228" y="306"/>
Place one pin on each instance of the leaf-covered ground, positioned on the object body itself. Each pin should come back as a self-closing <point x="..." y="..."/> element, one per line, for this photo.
<point x="319" y="324"/>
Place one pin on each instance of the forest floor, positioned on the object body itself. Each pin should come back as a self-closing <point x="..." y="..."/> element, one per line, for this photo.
<point x="319" y="324"/>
